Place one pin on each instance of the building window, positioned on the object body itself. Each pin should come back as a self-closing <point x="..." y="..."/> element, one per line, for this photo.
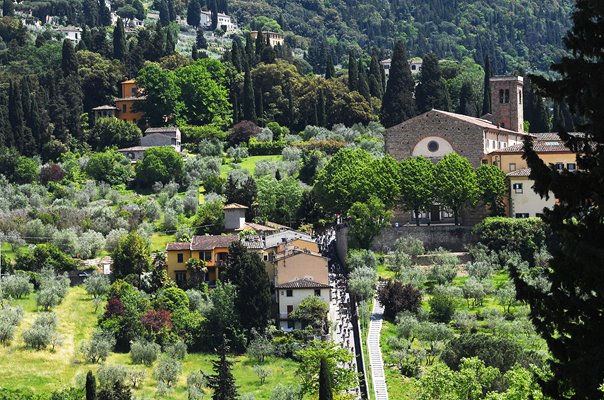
<point x="318" y="292"/>
<point x="571" y="166"/>
<point x="414" y="67"/>
<point x="559" y="166"/>
<point x="205" y="255"/>
<point x="484" y="162"/>
<point x="507" y="96"/>
<point x="266" y="257"/>
<point x="289" y="293"/>
<point x="522" y="215"/>
<point x="501" y="95"/>
<point x="181" y="277"/>
<point x="433" y="146"/>
<point x="512" y="167"/>
<point x="180" y="258"/>
<point x="291" y="324"/>
<point x="517" y="188"/>
<point x="123" y="108"/>
<point x="290" y="309"/>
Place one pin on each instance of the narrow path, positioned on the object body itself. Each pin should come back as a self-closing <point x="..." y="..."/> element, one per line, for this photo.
<point x="376" y="362"/>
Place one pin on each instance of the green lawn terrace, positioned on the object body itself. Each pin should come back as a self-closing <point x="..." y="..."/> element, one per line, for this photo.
<point x="46" y="371"/>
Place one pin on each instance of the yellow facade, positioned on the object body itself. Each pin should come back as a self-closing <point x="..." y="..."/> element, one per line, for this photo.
<point x="130" y="96"/>
<point x="509" y="162"/>
<point x="215" y="260"/>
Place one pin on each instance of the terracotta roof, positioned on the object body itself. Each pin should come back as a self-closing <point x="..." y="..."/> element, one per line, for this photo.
<point x="131" y="98"/>
<point x="292" y="252"/>
<point x="477" y="121"/>
<point x="134" y="148"/>
<point x="538" y="146"/>
<point x="159" y="130"/>
<point x="233" y="206"/>
<point x="304" y="283"/>
<point x="256" y="227"/>
<point x="178" y="246"/>
<point x="211" y="242"/>
<point x="255" y="244"/>
<point x="129" y="81"/>
<point x="106" y="107"/>
<point x="520" y="172"/>
<point x="554" y="135"/>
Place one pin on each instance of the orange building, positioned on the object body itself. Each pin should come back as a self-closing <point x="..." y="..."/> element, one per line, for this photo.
<point x="131" y="94"/>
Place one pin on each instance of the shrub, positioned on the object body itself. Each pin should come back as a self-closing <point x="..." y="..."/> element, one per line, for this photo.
<point x="396" y="297"/>
<point x="40" y="334"/>
<point x="196" y="382"/>
<point x="262" y="372"/>
<point x="291" y="154"/>
<point x="7" y="332"/>
<point x="444" y="267"/>
<point x="242" y="132"/>
<point x="96" y="285"/>
<point x="474" y="292"/>
<point x="237" y="153"/>
<point x="442" y="307"/>
<point x="409" y="245"/>
<point x="257" y="148"/>
<point x="210" y="148"/>
<point x="167" y="371"/>
<point x="361" y="258"/>
<point x="144" y="352"/>
<point x="194" y="134"/>
<point x="177" y="350"/>
<point x="282" y="392"/>
<point x="260" y="348"/>
<point x="53" y="288"/>
<point x="16" y="286"/>
<point x="98" y="348"/>
<point x="110" y="375"/>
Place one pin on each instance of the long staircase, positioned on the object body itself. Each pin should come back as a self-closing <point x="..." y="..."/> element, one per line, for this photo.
<point x="375" y="352"/>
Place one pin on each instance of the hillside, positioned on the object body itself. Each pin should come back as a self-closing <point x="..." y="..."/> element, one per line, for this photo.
<point x="515" y="33"/>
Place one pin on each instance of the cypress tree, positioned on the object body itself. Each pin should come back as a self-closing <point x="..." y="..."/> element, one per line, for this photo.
<point x="194" y="53"/>
<point x="398" y="104"/>
<point x="268" y="55"/>
<point x="325" y="389"/>
<point x="86" y="40"/>
<point x="90" y="9"/>
<point x="164" y="13"/>
<point x="90" y="386"/>
<point x="237" y="54"/>
<point x="535" y="111"/>
<point x="363" y="86"/>
<point x="259" y="45"/>
<point x="223" y="381"/>
<point x="172" y="10"/>
<point x="170" y="42"/>
<point x="291" y="112"/>
<point x="315" y="113"/>
<point x="353" y="72"/>
<point x="568" y="310"/>
<point x="466" y="96"/>
<point x="8" y="8"/>
<point x="194" y="13"/>
<point x="330" y="71"/>
<point x="37" y="121"/>
<point x="321" y="112"/>
<point x="375" y="78"/>
<point x="214" y="9"/>
<point x="119" y="41"/>
<point x="69" y="61"/>
<point x="432" y="89"/>
<point x="236" y="118"/>
<point x="486" y="98"/>
<point x="15" y="114"/>
<point x="260" y="107"/>
<point x="200" y="40"/>
<point x="249" y="103"/>
<point x="249" y="50"/>
<point x="104" y="14"/>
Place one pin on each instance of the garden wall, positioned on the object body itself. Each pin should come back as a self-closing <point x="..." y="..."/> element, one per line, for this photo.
<point x="452" y="238"/>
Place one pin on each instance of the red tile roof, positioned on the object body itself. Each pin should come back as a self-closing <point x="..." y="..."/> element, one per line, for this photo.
<point x="234" y="206"/>
<point x="539" y="147"/>
<point x="304" y="283"/>
<point x="520" y="172"/>
<point x="203" y="243"/>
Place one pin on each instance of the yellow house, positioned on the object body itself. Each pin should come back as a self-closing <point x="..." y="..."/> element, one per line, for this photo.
<point x="213" y="250"/>
<point x="274" y="38"/>
<point x="131" y="95"/>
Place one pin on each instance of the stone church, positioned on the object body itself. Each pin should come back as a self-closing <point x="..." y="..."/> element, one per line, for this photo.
<point x="437" y="133"/>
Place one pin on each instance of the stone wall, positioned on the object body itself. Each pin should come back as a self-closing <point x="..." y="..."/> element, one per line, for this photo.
<point x="450" y="237"/>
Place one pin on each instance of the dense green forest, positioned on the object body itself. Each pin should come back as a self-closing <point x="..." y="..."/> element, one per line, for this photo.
<point x="525" y="33"/>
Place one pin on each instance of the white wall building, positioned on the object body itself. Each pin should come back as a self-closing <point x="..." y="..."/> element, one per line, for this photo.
<point x="291" y="294"/>
<point x="415" y="65"/>
<point x="224" y="21"/>
<point x="72" y="33"/>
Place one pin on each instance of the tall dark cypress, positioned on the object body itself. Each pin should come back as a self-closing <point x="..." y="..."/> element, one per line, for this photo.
<point x="214" y="9"/>
<point x="249" y="102"/>
<point x="119" y="41"/>
<point x="8" y="8"/>
<point x="321" y="109"/>
<point x="353" y="72"/>
<point x="363" y="86"/>
<point x="325" y="386"/>
<point x="535" y="111"/>
<point x="249" y="50"/>
<point x="375" y="78"/>
<point x="193" y="13"/>
<point x="172" y="10"/>
<point x="291" y="111"/>
<point x="85" y="39"/>
<point x="15" y="114"/>
<point x="164" y="13"/>
<point x="330" y="71"/>
<point x="398" y="104"/>
<point x="236" y="114"/>
<point x="260" y="44"/>
<point x="90" y="9"/>
<point x="466" y="100"/>
<point x="194" y="53"/>
<point x="90" y="386"/>
<point x="69" y="61"/>
<point x="260" y="107"/>
<point x="104" y="14"/>
<point x="237" y="54"/>
<point x="486" y="98"/>
<point x="568" y="310"/>
<point x="432" y="90"/>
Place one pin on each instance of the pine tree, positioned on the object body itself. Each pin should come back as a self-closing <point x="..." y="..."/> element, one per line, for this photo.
<point x="104" y="14"/>
<point x="568" y="310"/>
<point x="119" y="41"/>
<point x="432" y="89"/>
<point x="249" y="102"/>
<point x="363" y="86"/>
<point x="330" y="71"/>
<point x="353" y="72"/>
<point x="164" y="13"/>
<point x="90" y="386"/>
<point x="223" y="381"/>
<point x="325" y="389"/>
<point x="8" y="8"/>
<point x="375" y="78"/>
<point x="486" y="99"/>
<point x="194" y="13"/>
<point x="398" y="104"/>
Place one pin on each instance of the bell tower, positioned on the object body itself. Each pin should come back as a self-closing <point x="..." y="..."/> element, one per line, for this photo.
<point x="506" y="102"/>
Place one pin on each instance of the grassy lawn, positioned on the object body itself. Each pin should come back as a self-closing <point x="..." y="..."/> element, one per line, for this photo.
<point x="44" y="371"/>
<point x="159" y="241"/>
<point x="248" y="164"/>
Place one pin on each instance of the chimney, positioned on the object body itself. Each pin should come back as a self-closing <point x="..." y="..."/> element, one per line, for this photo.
<point x="507" y="102"/>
